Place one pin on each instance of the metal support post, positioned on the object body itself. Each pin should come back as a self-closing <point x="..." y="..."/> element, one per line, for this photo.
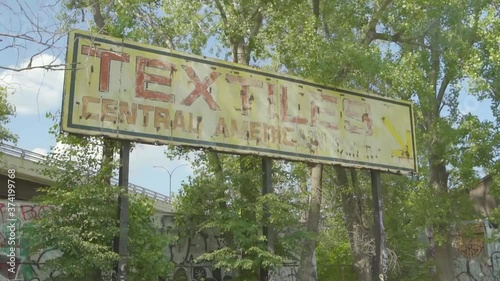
<point x="123" y="211"/>
<point x="380" y="262"/>
<point x="267" y="231"/>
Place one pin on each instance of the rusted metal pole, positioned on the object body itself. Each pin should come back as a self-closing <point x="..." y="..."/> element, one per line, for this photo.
<point x="121" y="274"/>
<point x="267" y="231"/>
<point x="380" y="262"/>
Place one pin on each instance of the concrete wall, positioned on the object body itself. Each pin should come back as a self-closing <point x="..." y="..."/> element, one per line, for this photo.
<point x="31" y="268"/>
<point x="27" y="267"/>
<point x="477" y="259"/>
<point x="484" y="202"/>
<point x="182" y="253"/>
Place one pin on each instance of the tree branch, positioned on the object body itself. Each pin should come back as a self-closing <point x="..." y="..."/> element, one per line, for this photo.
<point x="95" y="8"/>
<point x="315" y="10"/>
<point x="372" y="24"/>
<point x="221" y="11"/>
<point x="370" y="31"/>
<point x="145" y="16"/>
<point x="234" y="45"/>
<point x="447" y="79"/>
<point x="442" y="90"/>
<point x="26" y="37"/>
<point x="396" y="38"/>
<point x="258" y="17"/>
<point x="47" y="67"/>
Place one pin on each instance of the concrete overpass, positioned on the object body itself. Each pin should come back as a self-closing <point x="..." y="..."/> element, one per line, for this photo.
<point x="28" y="165"/>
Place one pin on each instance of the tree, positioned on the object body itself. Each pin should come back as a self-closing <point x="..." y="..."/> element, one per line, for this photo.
<point x="334" y="256"/>
<point x="422" y="51"/>
<point x="453" y="52"/>
<point x="85" y="203"/>
<point x="6" y="111"/>
<point x="244" y="26"/>
<point x="446" y="47"/>
<point x="238" y="27"/>
<point x="82" y="222"/>
<point x="326" y="55"/>
<point x="212" y="202"/>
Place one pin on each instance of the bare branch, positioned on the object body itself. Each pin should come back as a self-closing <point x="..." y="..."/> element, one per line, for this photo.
<point x="46" y="67"/>
<point x="29" y="32"/>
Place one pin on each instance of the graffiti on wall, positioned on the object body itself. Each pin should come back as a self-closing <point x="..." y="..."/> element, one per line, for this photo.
<point x="182" y="253"/>
<point x="28" y="266"/>
<point x="475" y="258"/>
<point x="287" y="272"/>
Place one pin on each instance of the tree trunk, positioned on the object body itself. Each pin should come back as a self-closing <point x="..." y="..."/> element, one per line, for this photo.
<point x="108" y="152"/>
<point x="241" y="54"/>
<point x="444" y="261"/>
<point x="443" y="257"/>
<point x="307" y="269"/>
<point x="359" y="237"/>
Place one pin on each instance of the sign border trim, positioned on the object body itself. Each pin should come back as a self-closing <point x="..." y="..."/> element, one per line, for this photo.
<point x="75" y="35"/>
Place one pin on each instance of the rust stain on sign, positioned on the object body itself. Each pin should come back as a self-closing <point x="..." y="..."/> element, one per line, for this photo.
<point x="132" y="91"/>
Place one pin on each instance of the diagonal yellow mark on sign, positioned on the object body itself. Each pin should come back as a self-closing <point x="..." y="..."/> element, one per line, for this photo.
<point x="406" y="150"/>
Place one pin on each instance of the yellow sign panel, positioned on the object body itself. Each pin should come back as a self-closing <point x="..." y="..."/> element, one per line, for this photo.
<point x="143" y="93"/>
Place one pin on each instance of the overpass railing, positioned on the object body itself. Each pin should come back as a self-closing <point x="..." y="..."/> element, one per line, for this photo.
<point x="37" y="157"/>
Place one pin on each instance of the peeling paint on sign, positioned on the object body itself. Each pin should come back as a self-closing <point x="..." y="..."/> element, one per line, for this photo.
<point x="142" y="93"/>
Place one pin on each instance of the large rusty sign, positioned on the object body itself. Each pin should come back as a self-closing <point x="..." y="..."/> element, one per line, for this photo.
<point x="142" y="93"/>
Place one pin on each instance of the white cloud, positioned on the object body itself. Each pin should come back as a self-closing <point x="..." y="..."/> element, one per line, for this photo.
<point x="35" y="91"/>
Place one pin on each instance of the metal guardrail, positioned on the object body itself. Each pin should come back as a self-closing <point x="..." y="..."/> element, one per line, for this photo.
<point x="37" y="157"/>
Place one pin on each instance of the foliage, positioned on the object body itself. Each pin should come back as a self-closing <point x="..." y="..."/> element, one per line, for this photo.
<point x="82" y="222"/>
<point x="434" y="53"/>
<point x="334" y="256"/>
<point x="6" y="111"/>
<point x="228" y="199"/>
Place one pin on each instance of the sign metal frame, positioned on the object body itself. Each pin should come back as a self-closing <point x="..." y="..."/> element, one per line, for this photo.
<point x="69" y="124"/>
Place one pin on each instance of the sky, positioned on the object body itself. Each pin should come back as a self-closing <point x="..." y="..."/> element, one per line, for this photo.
<point x="36" y="92"/>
